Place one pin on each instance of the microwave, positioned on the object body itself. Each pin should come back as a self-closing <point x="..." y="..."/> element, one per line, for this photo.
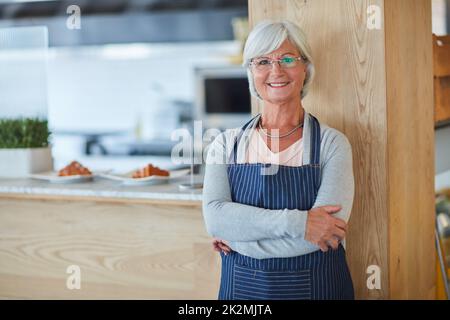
<point x="222" y="98"/>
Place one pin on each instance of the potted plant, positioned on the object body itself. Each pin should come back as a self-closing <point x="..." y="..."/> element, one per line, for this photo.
<point x="24" y="147"/>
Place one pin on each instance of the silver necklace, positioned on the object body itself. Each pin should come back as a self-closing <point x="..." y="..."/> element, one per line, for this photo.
<point x="280" y="136"/>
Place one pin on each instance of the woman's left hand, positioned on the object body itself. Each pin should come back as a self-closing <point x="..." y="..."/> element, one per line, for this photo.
<point x="220" y="245"/>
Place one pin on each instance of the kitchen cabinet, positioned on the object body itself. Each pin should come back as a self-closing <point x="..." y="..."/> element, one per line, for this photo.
<point x="140" y="242"/>
<point x="441" y="70"/>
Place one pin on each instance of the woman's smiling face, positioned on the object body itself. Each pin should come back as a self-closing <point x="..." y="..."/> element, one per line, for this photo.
<point x="277" y="84"/>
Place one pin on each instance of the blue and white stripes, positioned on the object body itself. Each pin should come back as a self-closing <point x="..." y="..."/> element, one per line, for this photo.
<point x="318" y="275"/>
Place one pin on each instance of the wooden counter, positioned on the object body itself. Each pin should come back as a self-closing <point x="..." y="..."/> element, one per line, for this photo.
<point x="146" y="242"/>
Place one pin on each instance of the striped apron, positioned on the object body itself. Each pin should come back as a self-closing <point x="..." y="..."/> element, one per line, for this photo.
<point x="318" y="275"/>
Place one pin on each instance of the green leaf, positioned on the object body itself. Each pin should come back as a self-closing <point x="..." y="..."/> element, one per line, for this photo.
<point x="24" y="133"/>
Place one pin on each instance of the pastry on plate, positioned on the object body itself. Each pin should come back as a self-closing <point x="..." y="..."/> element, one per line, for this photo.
<point x="74" y="169"/>
<point x="150" y="170"/>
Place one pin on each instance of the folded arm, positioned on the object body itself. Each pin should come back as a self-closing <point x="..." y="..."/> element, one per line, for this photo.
<point x="233" y="221"/>
<point x="336" y="188"/>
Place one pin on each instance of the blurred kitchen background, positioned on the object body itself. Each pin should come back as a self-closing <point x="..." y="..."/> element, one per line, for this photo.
<point x="117" y="85"/>
<point x="116" y="88"/>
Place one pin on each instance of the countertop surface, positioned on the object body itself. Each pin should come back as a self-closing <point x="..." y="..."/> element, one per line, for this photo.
<point x="102" y="188"/>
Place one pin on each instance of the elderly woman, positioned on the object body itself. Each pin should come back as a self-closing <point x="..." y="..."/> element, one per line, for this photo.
<point x="278" y="192"/>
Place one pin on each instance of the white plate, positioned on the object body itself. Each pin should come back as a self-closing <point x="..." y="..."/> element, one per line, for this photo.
<point x="52" y="176"/>
<point x="127" y="178"/>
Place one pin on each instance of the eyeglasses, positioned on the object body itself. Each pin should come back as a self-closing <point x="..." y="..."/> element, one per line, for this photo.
<point x="264" y="64"/>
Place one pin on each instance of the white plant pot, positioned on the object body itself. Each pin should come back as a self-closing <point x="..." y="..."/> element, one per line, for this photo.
<point x="19" y="163"/>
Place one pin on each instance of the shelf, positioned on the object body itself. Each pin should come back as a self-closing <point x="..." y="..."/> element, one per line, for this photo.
<point x="441" y="72"/>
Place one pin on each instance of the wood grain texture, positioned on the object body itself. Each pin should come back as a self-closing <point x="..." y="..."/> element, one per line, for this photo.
<point x="409" y="83"/>
<point x="125" y="251"/>
<point x="109" y="200"/>
<point x="348" y="93"/>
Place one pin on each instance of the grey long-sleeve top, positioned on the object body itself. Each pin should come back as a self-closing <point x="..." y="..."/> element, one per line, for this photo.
<point x="265" y="233"/>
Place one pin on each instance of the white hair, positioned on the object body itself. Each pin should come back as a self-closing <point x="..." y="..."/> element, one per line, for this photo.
<point x="268" y="36"/>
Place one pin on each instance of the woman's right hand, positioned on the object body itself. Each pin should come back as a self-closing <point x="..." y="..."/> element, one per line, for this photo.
<point x="220" y="245"/>
<point x="323" y="229"/>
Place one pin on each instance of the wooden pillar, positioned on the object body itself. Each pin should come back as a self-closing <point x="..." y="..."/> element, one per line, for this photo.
<point x="375" y="85"/>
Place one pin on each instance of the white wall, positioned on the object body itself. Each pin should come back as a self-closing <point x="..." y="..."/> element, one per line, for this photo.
<point x="112" y="88"/>
<point x="438" y="8"/>
<point x="105" y="88"/>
